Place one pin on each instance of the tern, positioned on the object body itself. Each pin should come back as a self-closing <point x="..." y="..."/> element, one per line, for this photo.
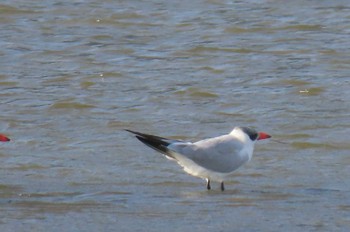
<point x="4" y="138"/>
<point x="212" y="159"/>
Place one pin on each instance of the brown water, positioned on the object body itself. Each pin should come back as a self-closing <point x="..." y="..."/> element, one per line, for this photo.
<point x="74" y="74"/>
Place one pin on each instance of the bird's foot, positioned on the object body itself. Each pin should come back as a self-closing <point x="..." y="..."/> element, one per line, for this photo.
<point x="222" y="186"/>
<point x="208" y="184"/>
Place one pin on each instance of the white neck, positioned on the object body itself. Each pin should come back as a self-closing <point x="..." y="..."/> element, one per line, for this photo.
<point x="247" y="142"/>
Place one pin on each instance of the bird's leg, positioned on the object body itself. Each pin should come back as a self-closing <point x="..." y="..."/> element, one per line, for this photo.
<point x="222" y="186"/>
<point x="208" y="184"/>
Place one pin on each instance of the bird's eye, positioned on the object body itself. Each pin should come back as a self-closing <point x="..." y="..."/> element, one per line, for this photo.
<point x="253" y="136"/>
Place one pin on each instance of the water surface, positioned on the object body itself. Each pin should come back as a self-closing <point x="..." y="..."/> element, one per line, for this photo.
<point x="74" y="74"/>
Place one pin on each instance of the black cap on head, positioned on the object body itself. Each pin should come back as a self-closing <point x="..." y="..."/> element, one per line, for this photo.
<point x="253" y="134"/>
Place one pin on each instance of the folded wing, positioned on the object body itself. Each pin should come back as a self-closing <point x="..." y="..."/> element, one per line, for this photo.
<point x="221" y="154"/>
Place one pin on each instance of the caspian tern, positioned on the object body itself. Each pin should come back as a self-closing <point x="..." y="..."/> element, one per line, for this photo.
<point x="3" y="138"/>
<point x="211" y="159"/>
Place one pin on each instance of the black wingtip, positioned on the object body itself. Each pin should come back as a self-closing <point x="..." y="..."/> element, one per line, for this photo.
<point x="142" y="134"/>
<point x="153" y="138"/>
<point x="131" y="131"/>
<point x="157" y="143"/>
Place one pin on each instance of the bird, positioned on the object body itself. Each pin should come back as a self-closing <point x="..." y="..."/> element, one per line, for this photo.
<point x="212" y="159"/>
<point x="4" y="138"/>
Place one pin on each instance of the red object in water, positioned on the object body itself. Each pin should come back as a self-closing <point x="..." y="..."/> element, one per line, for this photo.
<point x="3" y="138"/>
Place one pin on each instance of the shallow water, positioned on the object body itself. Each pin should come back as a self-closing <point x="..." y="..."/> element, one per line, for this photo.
<point x="74" y="74"/>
